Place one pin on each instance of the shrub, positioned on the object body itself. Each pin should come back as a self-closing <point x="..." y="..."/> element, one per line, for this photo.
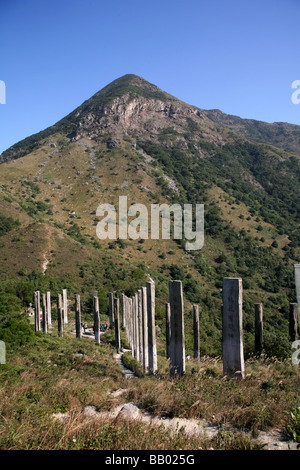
<point x="7" y="224"/>
<point x="293" y="426"/>
<point x="277" y="345"/>
<point x="15" y="329"/>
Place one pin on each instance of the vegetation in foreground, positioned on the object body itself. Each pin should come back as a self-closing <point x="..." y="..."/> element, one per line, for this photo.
<point x="49" y="375"/>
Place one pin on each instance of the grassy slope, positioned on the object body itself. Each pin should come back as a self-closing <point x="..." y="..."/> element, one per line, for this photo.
<point x="37" y="388"/>
<point x="72" y="179"/>
<point x="48" y="377"/>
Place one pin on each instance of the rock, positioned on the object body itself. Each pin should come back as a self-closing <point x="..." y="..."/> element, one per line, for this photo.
<point x="90" y="412"/>
<point x="119" y="392"/>
<point x="113" y="143"/>
<point x="130" y="410"/>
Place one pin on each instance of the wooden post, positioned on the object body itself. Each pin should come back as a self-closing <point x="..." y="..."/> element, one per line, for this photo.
<point x="168" y="329"/>
<point x="151" y="327"/>
<point x="177" y="343"/>
<point x="293" y="330"/>
<point x="77" y="316"/>
<point x="117" y="324"/>
<point x="111" y="307"/>
<point x="145" y="330"/>
<point x="258" y="329"/>
<point x="48" y="303"/>
<point x="233" y="349"/>
<point x="196" y="332"/>
<point x="44" y="314"/>
<point x="65" y="306"/>
<point x="37" y="311"/>
<point x="59" y="316"/>
<point x="96" y="320"/>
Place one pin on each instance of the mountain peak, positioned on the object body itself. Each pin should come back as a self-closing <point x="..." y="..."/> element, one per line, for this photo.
<point x="127" y="102"/>
<point x="129" y="84"/>
<point x="108" y="111"/>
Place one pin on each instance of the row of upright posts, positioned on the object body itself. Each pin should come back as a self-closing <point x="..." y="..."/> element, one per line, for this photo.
<point x="43" y="315"/>
<point x="138" y="319"/>
<point x="232" y="327"/>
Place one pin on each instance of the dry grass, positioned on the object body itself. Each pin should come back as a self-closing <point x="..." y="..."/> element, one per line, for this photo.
<point x="50" y="378"/>
<point x="259" y="402"/>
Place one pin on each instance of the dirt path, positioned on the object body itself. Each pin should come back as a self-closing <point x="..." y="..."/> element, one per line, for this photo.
<point x="272" y="440"/>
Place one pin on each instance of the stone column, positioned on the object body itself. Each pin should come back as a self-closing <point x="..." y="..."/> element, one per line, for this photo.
<point x="130" y="324"/>
<point x="258" y="328"/>
<point x="48" y="302"/>
<point x="168" y="329"/>
<point x="44" y="314"/>
<point x="145" y="330"/>
<point x="77" y="316"/>
<point x="233" y="349"/>
<point x="177" y="343"/>
<point x="111" y="307"/>
<point x="65" y="305"/>
<point x="123" y="297"/>
<point x="136" y="326"/>
<point x="59" y="316"/>
<point x="37" y="311"/>
<point x="133" y="338"/>
<point x="293" y="330"/>
<point x="196" y="332"/>
<point x="150" y="286"/>
<point x="140" y="319"/>
<point x="127" y="319"/>
<point x="297" y="284"/>
<point x="117" y="324"/>
<point x="96" y="320"/>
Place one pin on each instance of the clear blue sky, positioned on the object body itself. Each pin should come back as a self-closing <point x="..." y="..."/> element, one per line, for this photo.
<point x="240" y="56"/>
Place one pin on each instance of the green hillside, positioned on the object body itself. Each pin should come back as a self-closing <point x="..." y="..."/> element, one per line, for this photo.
<point x="133" y="139"/>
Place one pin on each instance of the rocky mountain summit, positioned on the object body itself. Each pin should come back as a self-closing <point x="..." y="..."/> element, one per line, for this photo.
<point x="131" y="107"/>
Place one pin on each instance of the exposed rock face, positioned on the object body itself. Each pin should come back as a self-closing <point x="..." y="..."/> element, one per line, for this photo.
<point x="140" y="111"/>
<point x="133" y="116"/>
<point x="130" y="106"/>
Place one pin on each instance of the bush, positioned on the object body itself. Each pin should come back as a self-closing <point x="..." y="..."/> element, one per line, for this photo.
<point x="132" y="364"/>
<point x="16" y="332"/>
<point x="277" y="345"/>
<point x="15" y="329"/>
<point x="7" y="224"/>
<point x="293" y="426"/>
